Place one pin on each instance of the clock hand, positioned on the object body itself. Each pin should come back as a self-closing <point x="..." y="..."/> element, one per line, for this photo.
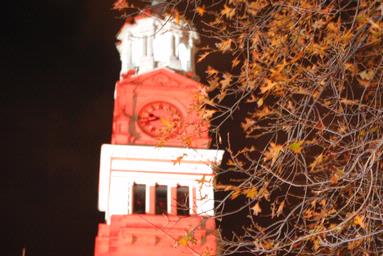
<point x="153" y="115"/>
<point x="147" y="120"/>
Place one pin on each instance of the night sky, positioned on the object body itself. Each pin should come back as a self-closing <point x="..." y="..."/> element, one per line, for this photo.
<point x="58" y="69"/>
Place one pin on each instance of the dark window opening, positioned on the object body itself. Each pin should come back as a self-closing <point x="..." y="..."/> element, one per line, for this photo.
<point x="161" y="199"/>
<point x="139" y="194"/>
<point x="183" y="200"/>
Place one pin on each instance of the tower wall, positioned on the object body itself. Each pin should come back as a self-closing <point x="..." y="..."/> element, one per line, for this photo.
<point x="156" y="176"/>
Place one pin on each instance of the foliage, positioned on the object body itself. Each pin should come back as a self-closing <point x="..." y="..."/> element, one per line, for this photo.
<point x="297" y="104"/>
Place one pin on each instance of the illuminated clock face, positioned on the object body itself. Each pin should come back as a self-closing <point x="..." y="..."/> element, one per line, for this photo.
<point x="160" y="119"/>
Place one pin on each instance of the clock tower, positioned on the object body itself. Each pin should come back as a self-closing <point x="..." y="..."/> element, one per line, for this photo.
<point x="156" y="176"/>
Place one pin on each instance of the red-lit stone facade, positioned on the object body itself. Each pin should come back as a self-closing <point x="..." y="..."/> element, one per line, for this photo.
<point x="161" y="85"/>
<point x="170" y="165"/>
<point x="145" y="234"/>
<point x="156" y="176"/>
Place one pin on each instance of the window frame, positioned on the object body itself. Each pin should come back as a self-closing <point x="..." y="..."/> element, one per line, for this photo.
<point x="134" y="197"/>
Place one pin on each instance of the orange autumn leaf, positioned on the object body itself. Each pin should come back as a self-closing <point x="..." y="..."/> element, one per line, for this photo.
<point x="264" y="192"/>
<point x="224" y="46"/>
<point x="166" y="123"/>
<point x="359" y="220"/>
<point x="177" y="17"/>
<point x="367" y="74"/>
<point x="355" y="244"/>
<point x="252" y="99"/>
<point x="235" y="62"/>
<point x="336" y="176"/>
<point x="200" y="10"/>
<point x="120" y="5"/>
<point x="308" y="214"/>
<point x="317" y="161"/>
<point x="211" y="71"/>
<point x="250" y="193"/>
<point x="364" y="83"/>
<point x="213" y="84"/>
<point x="280" y="208"/>
<point x="316" y="244"/>
<point x="187" y="239"/>
<point x="256" y="209"/>
<point x="334" y="179"/>
<point x="349" y="102"/>
<point x="267" y="86"/>
<point x="265" y="111"/>
<point x="260" y="102"/>
<point x="178" y="159"/>
<point x="333" y="27"/>
<point x="254" y="7"/>
<point x="236" y="193"/>
<point x="226" y="81"/>
<point x="297" y="57"/>
<point x="296" y="146"/>
<point x="272" y="152"/>
<point x="352" y="68"/>
<point x="187" y="140"/>
<point x="228" y="12"/>
<point x="247" y="123"/>
<point x="268" y="244"/>
<point x="203" y="56"/>
<point x="203" y="180"/>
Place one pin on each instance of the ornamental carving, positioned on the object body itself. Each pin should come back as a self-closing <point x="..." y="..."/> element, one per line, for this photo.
<point x="160" y="80"/>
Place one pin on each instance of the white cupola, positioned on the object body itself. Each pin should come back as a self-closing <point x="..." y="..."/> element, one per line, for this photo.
<point x="152" y="42"/>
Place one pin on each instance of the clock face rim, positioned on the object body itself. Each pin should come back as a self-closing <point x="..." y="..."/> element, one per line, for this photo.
<point x="168" y="135"/>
